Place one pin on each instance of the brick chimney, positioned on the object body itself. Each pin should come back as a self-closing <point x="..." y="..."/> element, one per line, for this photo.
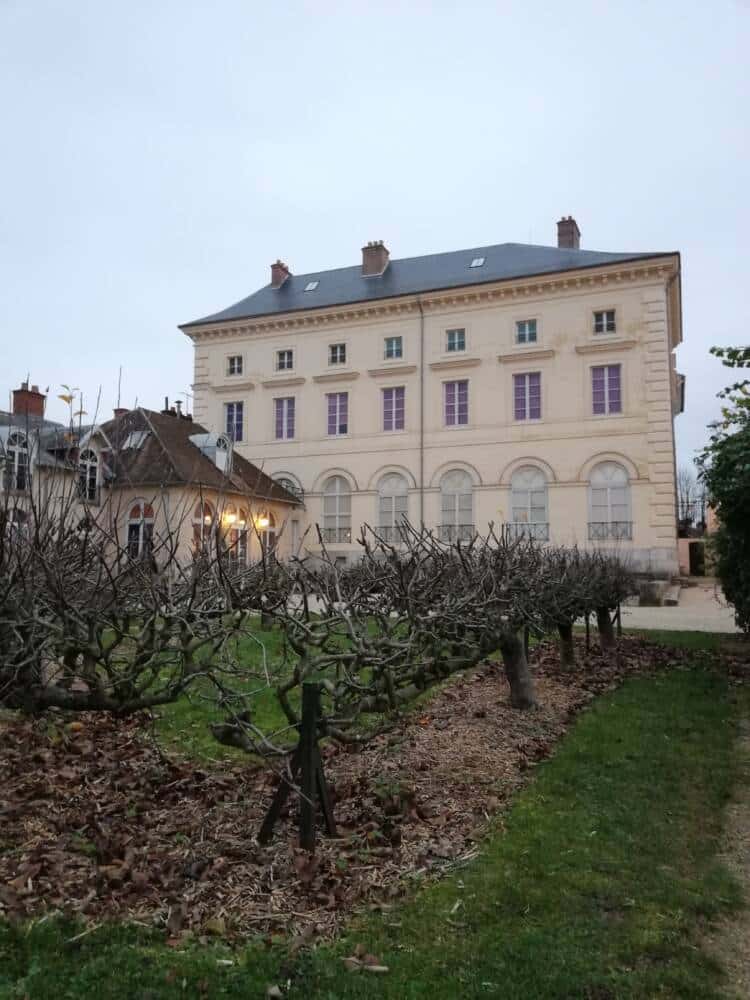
<point x="568" y="234"/>
<point x="375" y="258"/>
<point x="28" y="402"/>
<point x="279" y="273"/>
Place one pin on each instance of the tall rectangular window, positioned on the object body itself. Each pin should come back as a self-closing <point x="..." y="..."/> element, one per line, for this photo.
<point x="456" y="403"/>
<point x="284" y="417"/>
<point x="233" y="420"/>
<point x="284" y="361"/>
<point x="337" y="354"/>
<point x="604" y="321"/>
<point x="394" y="347"/>
<point x="455" y="340"/>
<point x="526" y="331"/>
<point x="234" y="364"/>
<point x="606" y="389"/>
<point x="338" y="412"/>
<point x="527" y="396"/>
<point x="393" y="409"/>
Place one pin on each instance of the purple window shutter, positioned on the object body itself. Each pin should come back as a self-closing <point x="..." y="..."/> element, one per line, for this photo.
<point x="463" y="403"/>
<point x="598" y="390"/>
<point x="450" y="403"/>
<point x="398" y="409"/>
<point x="615" y="394"/>
<point x="519" y="397"/>
<point x="535" y="395"/>
<point x="343" y="412"/>
<point x="387" y="409"/>
<point x="290" y="417"/>
<point x="332" y="407"/>
<point x="279" y="404"/>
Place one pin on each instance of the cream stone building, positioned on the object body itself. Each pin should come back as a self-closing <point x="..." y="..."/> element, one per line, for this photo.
<point x="518" y="385"/>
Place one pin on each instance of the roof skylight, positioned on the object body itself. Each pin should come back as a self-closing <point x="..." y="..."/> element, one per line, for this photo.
<point x="311" y="286"/>
<point x="477" y="262"/>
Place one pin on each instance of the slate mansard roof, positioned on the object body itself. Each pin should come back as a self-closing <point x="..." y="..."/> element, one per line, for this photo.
<point x="413" y="275"/>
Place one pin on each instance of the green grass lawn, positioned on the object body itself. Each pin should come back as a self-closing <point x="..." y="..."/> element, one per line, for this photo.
<point x="595" y="888"/>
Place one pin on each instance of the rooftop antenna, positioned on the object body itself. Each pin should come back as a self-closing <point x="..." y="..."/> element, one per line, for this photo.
<point x="119" y="386"/>
<point x="188" y="396"/>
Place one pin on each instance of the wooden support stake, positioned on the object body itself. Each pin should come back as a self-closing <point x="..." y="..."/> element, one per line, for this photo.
<point x="306" y="765"/>
<point x="588" y="633"/>
<point x="619" y="621"/>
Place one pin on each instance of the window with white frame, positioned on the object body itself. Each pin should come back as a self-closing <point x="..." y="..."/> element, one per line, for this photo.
<point x="527" y="396"/>
<point x="16" y="523"/>
<point x="284" y="360"/>
<point x="394" y="403"/>
<point x="236" y="537"/>
<point x="528" y="503"/>
<point x="233" y="420"/>
<point x="203" y="525"/>
<point x="337" y="354"/>
<point x="606" y="389"/>
<point x="526" y="331"/>
<point x="88" y="475"/>
<point x="609" y="503"/>
<point x="140" y="538"/>
<point x="284" y="417"/>
<point x="456" y="403"/>
<point x="337" y="510"/>
<point x="338" y="413"/>
<point x="267" y="532"/>
<point x="393" y="505"/>
<point x="457" y="506"/>
<point x="394" y="348"/>
<point x="234" y="364"/>
<point x="455" y="340"/>
<point x="604" y="321"/>
<point x="16" y="464"/>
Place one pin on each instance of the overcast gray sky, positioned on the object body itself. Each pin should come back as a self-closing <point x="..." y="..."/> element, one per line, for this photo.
<point x="157" y="156"/>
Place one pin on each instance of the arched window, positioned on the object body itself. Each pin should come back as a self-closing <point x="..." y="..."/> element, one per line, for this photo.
<point x="236" y="536"/>
<point x="267" y="530"/>
<point x="457" y="506"/>
<point x="203" y="522"/>
<point x="88" y="476"/>
<point x="609" y="503"/>
<point x="140" y="529"/>
<point x="337" y="510"/>
<point x="16" y="466"/>
<point x="393" y="505"/>
<point x="528" y="503"/>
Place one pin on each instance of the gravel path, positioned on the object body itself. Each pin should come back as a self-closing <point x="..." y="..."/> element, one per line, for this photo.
<point x="701" y="609"/>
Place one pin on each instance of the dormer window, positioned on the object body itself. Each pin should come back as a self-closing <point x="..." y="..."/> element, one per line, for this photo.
<point x="88" y="476"/>
<point x="16" y="465"/>
<point x="311" y="286"/>
<point x="477" y="262"/>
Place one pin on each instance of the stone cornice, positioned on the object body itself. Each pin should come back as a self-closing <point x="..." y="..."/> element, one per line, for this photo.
<point x="345" y="376"/>
<point x="605" y="345"/>
<point x="282" y="381"/>
<point x="538" y="354"/>
<point x="391" y="370"/>
<point x="510" y="290"/>
<point x="437" y="366"/>
<point x="233" y="387"/>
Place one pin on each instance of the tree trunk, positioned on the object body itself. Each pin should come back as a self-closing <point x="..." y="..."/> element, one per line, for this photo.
<point x="567" y="648"/>
<point x="606" y="632"/>
<point x="517" y="671"/>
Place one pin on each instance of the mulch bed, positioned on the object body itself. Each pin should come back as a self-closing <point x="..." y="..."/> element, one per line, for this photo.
<point x="97" y="822"/>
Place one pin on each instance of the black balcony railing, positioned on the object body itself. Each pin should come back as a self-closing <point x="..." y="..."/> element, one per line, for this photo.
<point x="337" y="535"/>
<point x="456" y="532"/>
<point x="538" y="530"/>
<point x="603" y="531"/>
